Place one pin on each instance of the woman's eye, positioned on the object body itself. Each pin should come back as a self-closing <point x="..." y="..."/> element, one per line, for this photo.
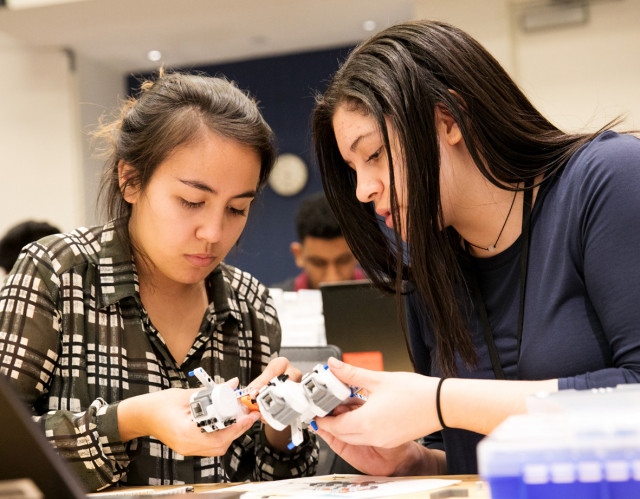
<point x="237" y="211"/>
<point x="375" y="155"/>
<point x="189" y="204"/>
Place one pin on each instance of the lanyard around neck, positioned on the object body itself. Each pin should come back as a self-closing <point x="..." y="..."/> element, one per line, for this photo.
<point x="478" y="300"/>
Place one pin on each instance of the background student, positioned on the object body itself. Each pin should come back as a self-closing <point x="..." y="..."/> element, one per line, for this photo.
<point x="520" y="241"/>
<point x="19" y="236"/>
<point x="321" y="250"/>
<point x="100" y="327"/>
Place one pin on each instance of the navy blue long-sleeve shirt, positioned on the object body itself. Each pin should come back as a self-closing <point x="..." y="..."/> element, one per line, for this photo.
<point x="582" y="299"/>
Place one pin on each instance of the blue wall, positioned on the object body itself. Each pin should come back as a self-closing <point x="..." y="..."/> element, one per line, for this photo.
<point x="285" y="87"/>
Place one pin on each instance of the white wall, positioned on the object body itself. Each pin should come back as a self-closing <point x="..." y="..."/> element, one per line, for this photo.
<point x="41" y="175"/>
<point x="579" y="76"/>
<point x="100" y="92"/>
<point x="584" y="76"/>
<point x="488" y="21"/>
<point x="50" y="101"/>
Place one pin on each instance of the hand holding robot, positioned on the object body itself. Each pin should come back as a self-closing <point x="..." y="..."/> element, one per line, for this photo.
<point x="281" y="402"/>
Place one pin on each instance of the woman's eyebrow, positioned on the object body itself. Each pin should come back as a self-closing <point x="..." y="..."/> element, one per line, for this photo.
<point x="354" y="146"/>
<point x="196" y="184"/>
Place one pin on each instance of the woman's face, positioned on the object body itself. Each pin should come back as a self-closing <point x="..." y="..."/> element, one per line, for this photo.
<point x="361" y="145"/>
<point x="194" y="207"/>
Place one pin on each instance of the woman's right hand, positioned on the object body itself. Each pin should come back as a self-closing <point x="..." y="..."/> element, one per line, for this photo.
<point x="166" y="415"/>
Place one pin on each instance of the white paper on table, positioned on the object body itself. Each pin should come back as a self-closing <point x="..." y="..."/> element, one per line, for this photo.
<point x="347" y="486"/>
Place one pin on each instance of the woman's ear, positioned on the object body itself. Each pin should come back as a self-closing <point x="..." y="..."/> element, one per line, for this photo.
<point x="447" y="127"/>
<point x="125" y="173"/>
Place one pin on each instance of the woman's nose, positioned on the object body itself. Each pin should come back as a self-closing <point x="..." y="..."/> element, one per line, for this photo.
<point x="210" y="229"/>
<point x="367" y="187"/>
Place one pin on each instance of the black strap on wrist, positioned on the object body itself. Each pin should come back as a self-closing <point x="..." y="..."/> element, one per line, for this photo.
<point x="438" y="408"/>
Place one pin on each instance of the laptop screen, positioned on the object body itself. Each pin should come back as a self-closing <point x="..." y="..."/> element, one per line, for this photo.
<point x="359" y="318"/>
<point x="25" y="453"/>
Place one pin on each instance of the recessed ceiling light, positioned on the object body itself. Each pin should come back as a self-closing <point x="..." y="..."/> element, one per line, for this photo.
<point x="369" y="25"/>
<point x="154" y="55"/>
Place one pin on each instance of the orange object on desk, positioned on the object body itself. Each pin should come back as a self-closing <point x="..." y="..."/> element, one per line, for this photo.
<point x="366" y="360"/>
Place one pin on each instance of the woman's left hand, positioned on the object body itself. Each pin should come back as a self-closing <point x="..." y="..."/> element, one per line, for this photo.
<point x="406" y="459"/>
<point x="278" y="366"/>
<point x="400" y="407"/>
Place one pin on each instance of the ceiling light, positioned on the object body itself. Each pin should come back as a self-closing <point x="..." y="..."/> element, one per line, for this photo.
<point x="369" y="25"/>
<point x="554" y="15"/>
<point x="27" y="4"/>
<point x="154" y="55"/>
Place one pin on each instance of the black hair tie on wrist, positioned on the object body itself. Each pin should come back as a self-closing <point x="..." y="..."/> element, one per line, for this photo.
<point x="438" y="409"/>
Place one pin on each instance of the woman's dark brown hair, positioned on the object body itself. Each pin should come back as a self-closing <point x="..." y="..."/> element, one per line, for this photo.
<point x="169" y="112"/>
<point x="402" y="74"/>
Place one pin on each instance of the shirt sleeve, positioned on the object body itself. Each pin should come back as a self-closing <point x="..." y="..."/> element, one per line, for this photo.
<point x="270" y="463"/>
<point x="30" y="345"/>
<point x="609" y="253"/>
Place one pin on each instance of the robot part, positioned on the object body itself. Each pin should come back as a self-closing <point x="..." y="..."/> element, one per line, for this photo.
<point x="216" y="406"/>
<point x="285" y="403"/>
<point x="203" y="377"/>
<point x="324" y="390"/>
<point x="281" y="403"/>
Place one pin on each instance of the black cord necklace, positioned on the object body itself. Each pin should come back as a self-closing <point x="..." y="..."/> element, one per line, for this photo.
<point x="492" y="248"/>
<point x="478" y="299"/>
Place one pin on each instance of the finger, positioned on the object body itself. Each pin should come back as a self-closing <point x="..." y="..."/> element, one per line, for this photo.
<point x="343" y="408"/>
<point x="293" y="373"/>
<point x="275" y="368"/>
<point x="242" y="424"/>
<point x="350" y="427"/>
<point x="354" y="376"/>
<point x="233" y="382"/>
<point x="334" y="444"/>
<point x="326" y="436"/>
<point x="247" y="420"/>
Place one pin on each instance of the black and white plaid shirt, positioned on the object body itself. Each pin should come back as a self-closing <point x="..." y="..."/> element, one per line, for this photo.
<point x="75" y="339"/>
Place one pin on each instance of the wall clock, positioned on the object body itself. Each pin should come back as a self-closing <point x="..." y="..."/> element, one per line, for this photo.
<point x="289" y="175"/>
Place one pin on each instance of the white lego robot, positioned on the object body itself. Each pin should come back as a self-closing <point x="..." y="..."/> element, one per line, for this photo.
<point x="285" y="403"/>
<point x="281" y="402"/>
<point x="216" y="406"/>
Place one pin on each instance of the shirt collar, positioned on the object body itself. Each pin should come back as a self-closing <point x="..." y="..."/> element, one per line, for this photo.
<point x="118" y="278"/>
<point x="117" y="275"/>
<point x="224" y="300"/>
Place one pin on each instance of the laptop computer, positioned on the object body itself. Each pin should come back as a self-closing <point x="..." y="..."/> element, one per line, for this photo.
<point x="31" y="467"/>
<point x="27" y="456"/>
<point x="360" y="318"/>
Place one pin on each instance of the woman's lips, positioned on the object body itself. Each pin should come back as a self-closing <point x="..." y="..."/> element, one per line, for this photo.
<point x="200" y="260"/>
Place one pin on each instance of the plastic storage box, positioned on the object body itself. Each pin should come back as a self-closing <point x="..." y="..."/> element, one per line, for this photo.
<point x="589" y="451"/>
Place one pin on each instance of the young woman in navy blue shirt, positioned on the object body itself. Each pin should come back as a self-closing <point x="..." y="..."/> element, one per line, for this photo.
<point x="516" y="241"/>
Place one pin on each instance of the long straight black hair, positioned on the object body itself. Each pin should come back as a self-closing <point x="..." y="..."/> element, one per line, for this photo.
<point x="402" y="74"/>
